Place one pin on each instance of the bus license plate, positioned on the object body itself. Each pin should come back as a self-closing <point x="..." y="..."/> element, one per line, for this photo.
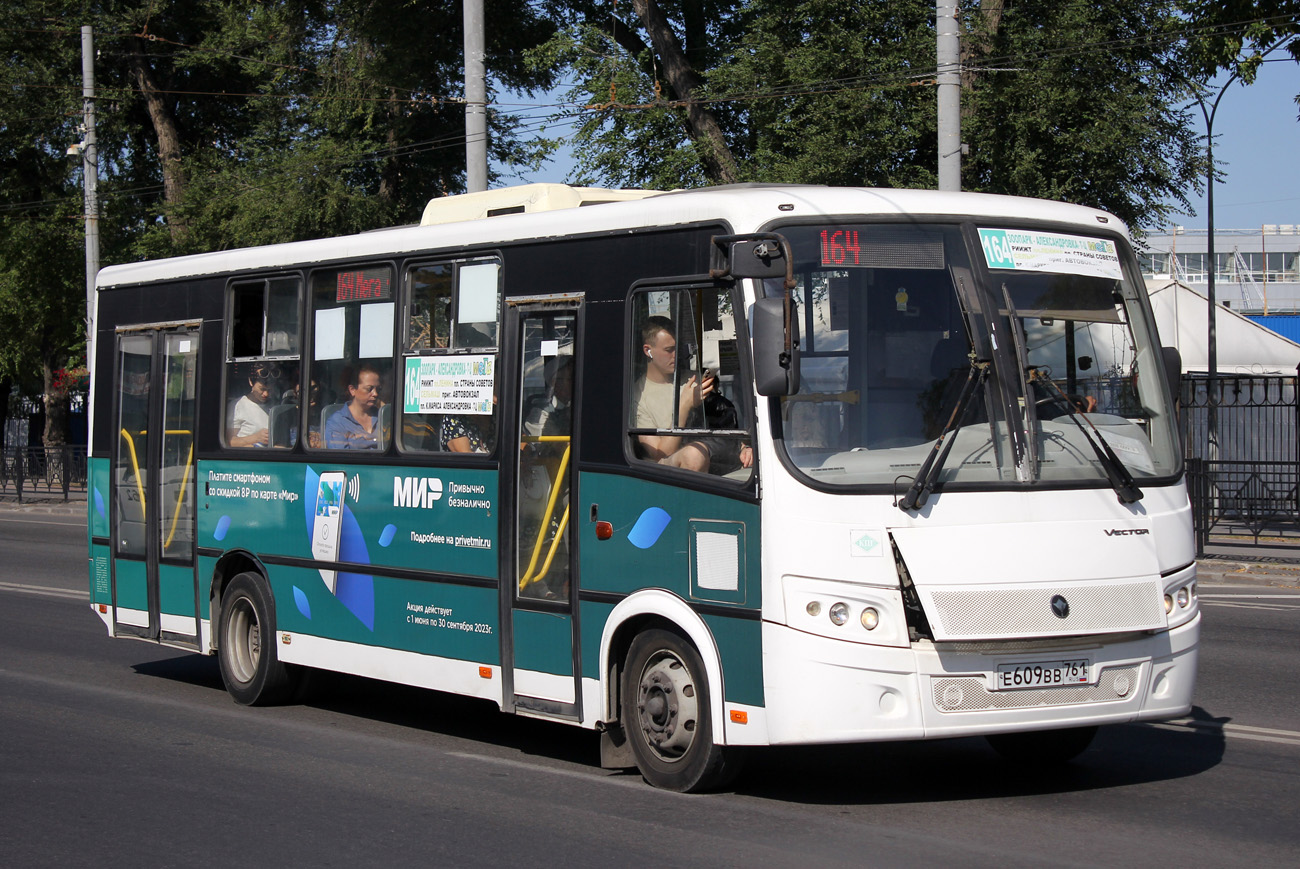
<point x="1040" y="674"/>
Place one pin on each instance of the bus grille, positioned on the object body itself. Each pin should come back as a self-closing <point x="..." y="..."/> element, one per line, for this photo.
<point x="1006" y="613"/>
<point x="971" y="693"/>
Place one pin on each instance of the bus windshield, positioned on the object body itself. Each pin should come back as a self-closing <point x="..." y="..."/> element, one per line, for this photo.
<point x="1026" y="353"/>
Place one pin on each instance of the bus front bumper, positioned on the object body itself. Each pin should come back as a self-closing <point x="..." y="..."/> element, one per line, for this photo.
<point x="821" y="690"/>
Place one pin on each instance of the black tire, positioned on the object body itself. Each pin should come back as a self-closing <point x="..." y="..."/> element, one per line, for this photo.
<point x="1043" y="747"/>
<point x="250" y="668"/>
<point x="666" y="714"/>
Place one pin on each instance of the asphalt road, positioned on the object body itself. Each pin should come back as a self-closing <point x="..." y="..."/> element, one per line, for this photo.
<point x="118" y="752"/>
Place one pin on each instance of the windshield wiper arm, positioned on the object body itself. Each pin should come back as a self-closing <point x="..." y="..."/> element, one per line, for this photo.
<point x="919" y="492"/>
<point x="1116" y="471"/>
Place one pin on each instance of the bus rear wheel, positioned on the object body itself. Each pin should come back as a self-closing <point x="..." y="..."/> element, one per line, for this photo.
<point x="667" y="715"/>
<point x="1040" y="747"/>
<point x="250" y="669"/>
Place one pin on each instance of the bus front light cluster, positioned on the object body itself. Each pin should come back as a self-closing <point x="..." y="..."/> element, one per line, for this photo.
<point x="848" y="612"/>
<point x="839" y="613"/>
<point x="1179" y="600"/>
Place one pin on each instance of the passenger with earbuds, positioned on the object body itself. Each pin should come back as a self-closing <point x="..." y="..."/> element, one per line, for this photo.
<point x="658" y="407"/>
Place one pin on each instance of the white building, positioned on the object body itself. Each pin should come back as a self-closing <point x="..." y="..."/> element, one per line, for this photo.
<point x="1257" y="270"/>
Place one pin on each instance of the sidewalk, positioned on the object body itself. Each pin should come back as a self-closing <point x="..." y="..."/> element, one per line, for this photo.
<point x="1272" y="561"/>
<point x="42" y="501"/>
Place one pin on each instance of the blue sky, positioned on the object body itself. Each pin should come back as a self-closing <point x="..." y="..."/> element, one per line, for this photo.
<point x="1257" y="144"/>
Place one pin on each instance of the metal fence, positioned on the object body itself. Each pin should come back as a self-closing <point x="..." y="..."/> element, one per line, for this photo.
<point x="42" y="470"/>
<point x="1248" y="483"/>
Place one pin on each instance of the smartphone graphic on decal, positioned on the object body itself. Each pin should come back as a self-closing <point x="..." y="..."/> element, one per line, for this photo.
<point x="329" y="522"/>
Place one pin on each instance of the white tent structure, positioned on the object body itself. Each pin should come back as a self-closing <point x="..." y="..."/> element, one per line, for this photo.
<point x="1243" y="346"/>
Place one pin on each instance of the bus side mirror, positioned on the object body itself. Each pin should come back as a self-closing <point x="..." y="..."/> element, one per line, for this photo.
<point x="762" y="258"/>
<point x="1173" y="371"/>
<point x="776" y="368"/>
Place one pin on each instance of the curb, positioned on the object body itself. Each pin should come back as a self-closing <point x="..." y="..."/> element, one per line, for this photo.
<point x="1230" y="572"/>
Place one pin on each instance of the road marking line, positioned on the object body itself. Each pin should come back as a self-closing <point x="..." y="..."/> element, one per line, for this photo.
<point x="4" y="518"/>
<point x="1236" y="731"/>
<point x="1275" y="607"/>
<point x="607" y="776"/>
<point x="1252" y="596"/>
<point x="44" y="591"/>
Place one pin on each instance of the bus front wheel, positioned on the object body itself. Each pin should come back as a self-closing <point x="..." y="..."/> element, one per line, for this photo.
<point x="250" y="668"/>
<point x="666" y="715"/>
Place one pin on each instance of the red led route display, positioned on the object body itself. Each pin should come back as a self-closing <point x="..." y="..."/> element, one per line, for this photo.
<point x="363" y="286"/>
<point x="840" y="247"/>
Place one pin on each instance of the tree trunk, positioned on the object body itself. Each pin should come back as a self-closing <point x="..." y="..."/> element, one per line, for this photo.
<point x="980" y="45"/>
<point x="703" y="126"/>
<point x="56" y="404"/>
<point x="167" y="131"/>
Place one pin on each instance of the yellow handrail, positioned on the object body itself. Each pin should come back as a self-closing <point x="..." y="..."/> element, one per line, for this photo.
<point x="529" y="576"/>
<point x="135" y="466"/>
<point x="180" y="496"/>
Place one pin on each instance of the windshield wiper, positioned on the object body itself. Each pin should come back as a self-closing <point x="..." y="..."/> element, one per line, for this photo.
<point x="1116" y="472"/>
<point x="923" y="485"/>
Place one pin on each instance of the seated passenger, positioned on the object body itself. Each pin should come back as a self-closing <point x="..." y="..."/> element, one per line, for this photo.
<point x="462" y="435"/>
<point x="355" y="426"/>
<point x="652" y="398"/>
<point x="250" y="424"/>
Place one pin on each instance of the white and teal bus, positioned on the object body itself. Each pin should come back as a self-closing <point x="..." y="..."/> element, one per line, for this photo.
<point x="699" y="471"/>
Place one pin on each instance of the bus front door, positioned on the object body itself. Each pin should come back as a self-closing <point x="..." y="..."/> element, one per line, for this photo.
<point x="154" y="586"/>
<point x="540" y="642"/>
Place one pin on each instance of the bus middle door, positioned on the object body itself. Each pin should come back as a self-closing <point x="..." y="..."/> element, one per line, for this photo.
<point x="154" y="585"/>
<point x="540" y="640"/>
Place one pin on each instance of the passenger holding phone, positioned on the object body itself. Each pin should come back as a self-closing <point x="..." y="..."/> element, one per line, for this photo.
<point x="653" y="398"/>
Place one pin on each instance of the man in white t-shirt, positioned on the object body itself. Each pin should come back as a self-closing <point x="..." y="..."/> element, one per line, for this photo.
<point x="652" y="396"/>
<point x="249" y="422"/>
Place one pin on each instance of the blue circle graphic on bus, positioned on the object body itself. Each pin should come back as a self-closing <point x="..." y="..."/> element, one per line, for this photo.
<point x="223" y="526"/>
<point x="99" y="503"/>
<point x="356" y="591"/>
<point x="390" y="531"/>
<point x="649" y="525"/>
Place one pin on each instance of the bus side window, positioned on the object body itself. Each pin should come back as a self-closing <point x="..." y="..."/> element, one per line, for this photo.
<point x="263" y="363"/>
<point x="451" y="318"/>
<point x="353" y="326"/>
<point x="684" y="378"/>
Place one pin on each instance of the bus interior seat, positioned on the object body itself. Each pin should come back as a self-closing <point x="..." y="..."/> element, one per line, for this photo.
<point x="326" y="412"/>
<point x="281" y="421"/>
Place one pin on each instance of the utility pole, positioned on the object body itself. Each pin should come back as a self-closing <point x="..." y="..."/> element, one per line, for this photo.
<point x="90" y="180"/>
<point x="948" y="52"/>
<point x="475" y="98"/>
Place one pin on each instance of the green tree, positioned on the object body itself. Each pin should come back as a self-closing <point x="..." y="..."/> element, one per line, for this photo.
<point x="42" y="283"/>
<point x="1081" y="101"/>
<point x="1069" y="100"/>
<point x="225" y="123"/>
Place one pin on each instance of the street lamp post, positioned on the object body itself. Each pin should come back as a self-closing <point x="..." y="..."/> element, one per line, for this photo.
<point x="1212" y="348"/>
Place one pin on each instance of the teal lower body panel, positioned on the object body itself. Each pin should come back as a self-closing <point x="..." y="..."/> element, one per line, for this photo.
<point x="176" y="590"/>
<point x="544" y="642"/>
<point x="132" y="585"/>
<point x="433" y="618"/>
<point x="101" y="577"/>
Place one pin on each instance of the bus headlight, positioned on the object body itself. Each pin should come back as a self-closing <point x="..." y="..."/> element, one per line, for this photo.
<point x="1184" y="597"/>
<point x="870" y="618"/>
<point x="814" y="607"/>
<point x="838" y="613"/>
<point x="1169" y="603"/>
